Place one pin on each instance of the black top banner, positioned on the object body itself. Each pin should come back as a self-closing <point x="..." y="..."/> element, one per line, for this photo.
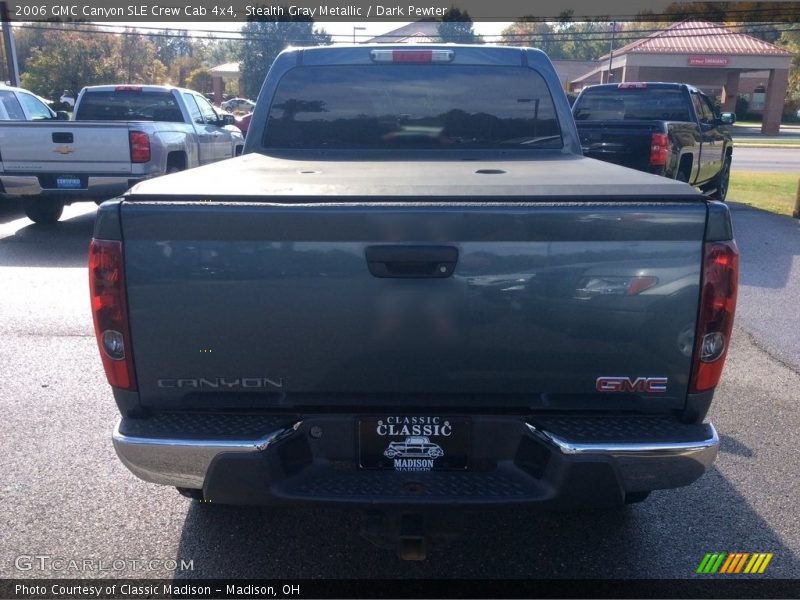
<point x="394" y="10"/>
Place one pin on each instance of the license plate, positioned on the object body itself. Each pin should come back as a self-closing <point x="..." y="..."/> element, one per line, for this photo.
<point x="68" y="183"/>
<point x="413" y="443"/>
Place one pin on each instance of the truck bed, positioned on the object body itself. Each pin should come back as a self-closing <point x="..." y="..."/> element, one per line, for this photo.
<point x="334" y="178"/>
<point x="522" y="317"/>
<point x="625" y="143"/>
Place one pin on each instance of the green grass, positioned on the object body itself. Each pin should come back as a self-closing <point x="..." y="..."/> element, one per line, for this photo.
<point x="770" y="191"/>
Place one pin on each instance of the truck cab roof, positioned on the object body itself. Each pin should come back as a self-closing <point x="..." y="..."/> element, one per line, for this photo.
<point x="132" y="87"/>
<point x="474" y="54"/>
<point x="662" y="85"/>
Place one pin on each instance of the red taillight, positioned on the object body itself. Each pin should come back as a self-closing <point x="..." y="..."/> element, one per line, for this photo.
<point x="140" y="147"/>
<point x="128" y="88"/>
<point x="659" y="149"/>
<point x="717" y="307"/>
<point x="110" y="312"/>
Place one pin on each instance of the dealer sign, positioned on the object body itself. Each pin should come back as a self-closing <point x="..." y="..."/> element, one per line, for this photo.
<point x="708" y="61"/>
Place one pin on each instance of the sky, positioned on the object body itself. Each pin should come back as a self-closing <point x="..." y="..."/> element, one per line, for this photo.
<point x="337" y="28"/>
<point x="378" y="28"/>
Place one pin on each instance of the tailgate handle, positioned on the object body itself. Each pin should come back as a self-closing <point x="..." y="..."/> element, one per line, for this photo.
<point x="412" y="261"/>
<point x="62" y="137"/>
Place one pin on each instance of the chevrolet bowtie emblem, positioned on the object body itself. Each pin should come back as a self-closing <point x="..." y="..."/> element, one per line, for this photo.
<point x="64" y="150"/>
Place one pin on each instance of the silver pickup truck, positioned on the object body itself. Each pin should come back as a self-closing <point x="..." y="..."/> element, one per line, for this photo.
<point x="413" y="292"/>
<point x="120" y="135"/>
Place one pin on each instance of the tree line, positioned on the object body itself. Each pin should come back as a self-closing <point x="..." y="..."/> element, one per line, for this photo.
<point x="54" y="57"/>
<point x="67" y="56"/>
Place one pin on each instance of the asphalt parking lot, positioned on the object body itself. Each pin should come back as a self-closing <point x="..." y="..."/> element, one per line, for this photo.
<point x="65" y="494"/>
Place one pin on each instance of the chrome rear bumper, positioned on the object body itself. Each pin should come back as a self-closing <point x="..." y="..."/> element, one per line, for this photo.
<point x="182" y="462"/>
<point x="645" y="466"/>
<point x="98" y="186"/>
<point x="516" y="461"/>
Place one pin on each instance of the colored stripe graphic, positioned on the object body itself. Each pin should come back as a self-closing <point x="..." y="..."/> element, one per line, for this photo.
<point x="704" y="563"/>
<point x="714" y="562"/>
<point x="709" y="564"/>
<point x="732" y="557"/>
<point x="753" y="561"/>
<point x="740" y="564"/>
<point x="717" y="564"/>
<point x="734" y="563"/>
<point x="764" y="564"/>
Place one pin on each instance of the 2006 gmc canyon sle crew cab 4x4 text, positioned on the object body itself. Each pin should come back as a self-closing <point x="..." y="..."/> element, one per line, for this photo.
<point x="411" y="292"/>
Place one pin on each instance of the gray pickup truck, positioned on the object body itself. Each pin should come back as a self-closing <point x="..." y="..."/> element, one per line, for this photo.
<point x="413" y="292"/>
<point x="121" y="134"/>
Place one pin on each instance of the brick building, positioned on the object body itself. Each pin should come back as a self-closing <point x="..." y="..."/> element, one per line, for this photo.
<point x="709" y="56"/>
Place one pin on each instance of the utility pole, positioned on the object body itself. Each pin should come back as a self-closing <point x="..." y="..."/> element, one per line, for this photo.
<point x="611" y="53"/>
<point x="10" y="47"/>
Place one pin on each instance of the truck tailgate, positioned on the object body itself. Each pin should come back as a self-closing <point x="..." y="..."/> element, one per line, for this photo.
<point x="554" y="305"/>
<point x="625" y="143"/>
<point x="67" y="148"/>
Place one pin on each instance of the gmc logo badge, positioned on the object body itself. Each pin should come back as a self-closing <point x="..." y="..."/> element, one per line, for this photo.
<point x="646" y="385"/>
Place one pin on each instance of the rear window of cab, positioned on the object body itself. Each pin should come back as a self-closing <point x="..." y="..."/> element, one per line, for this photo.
<point x="127" y="105"/>
<point x="412" y="106"/>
